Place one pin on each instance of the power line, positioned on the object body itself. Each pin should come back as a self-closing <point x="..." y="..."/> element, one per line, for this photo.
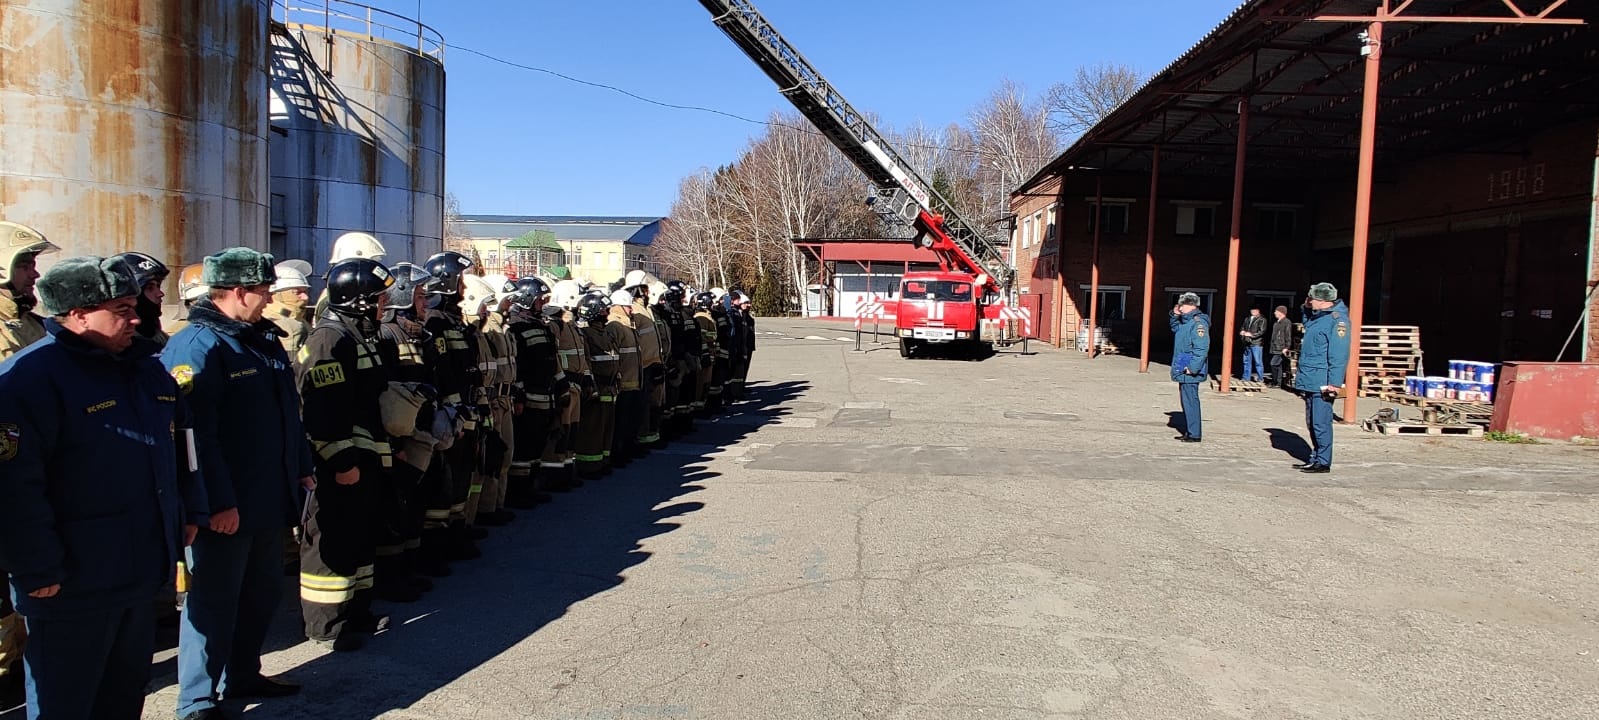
<point x="713" y="111"/>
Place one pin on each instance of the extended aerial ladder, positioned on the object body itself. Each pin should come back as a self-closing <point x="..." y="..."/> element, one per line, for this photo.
<point x="902" y="197"/>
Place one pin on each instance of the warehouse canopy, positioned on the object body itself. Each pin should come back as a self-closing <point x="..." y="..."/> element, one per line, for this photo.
<point x="1445" y="86"/>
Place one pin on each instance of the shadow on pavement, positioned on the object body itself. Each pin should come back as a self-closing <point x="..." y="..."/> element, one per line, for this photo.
<point x="1290" y="443"/>
<point x="531" y="573"/>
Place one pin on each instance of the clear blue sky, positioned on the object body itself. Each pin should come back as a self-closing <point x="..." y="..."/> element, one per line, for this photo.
<point x="521" y="142"/>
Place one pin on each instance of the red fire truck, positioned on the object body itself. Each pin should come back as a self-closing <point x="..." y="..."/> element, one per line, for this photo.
<point x="965" y="300"/>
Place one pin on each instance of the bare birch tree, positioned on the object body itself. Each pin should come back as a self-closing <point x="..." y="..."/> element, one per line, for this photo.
<point x="1013" y="140"/>
<point x="684" y="244"/>
<point x="1093" y="92"/>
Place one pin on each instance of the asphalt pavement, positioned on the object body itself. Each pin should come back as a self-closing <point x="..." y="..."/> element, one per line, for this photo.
<point x="1014" y="537"/>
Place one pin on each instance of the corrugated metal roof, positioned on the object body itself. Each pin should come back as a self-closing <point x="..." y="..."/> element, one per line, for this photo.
<point x="577" y="229"/>
<point x="564" y="219"/>
<point x="1445" y="87"/>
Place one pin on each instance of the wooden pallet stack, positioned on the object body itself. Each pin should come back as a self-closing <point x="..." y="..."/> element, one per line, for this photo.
<point x="1388" y="353"/>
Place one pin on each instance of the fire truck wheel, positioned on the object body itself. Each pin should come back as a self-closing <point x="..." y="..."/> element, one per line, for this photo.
<point x="904" y="347"/>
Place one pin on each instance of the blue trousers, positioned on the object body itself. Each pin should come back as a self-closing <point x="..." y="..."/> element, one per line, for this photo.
<point x="236" y="581"/>
<point x="1254" y="362"/>
<point x="1189" y="393"/>
<point x="1318" y="419"/>
<point x="90" y="665"/>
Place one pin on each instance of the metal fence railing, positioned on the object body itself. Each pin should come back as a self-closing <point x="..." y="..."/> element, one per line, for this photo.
<point x="354" y="18"/>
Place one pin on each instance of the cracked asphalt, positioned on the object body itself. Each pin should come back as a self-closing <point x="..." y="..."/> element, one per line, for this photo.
<point x="1012" y="538"/>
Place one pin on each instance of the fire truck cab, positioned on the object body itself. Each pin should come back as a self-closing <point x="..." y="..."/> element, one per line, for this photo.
<point x="939" y="308"/>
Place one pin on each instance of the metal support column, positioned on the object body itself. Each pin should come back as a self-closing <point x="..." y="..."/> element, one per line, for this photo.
<point x="1368" y="141"/>
<point x="1093" y="271"/>
<point x="1149" y="264"/>
<point x="1234" y="240"/>
<point x="1357" y="274"/>
<point x="1059" y="310"/>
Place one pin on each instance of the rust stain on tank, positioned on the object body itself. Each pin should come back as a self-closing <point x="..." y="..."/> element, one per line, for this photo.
<point x="414" y="127"/>
<point x="113" y="58"/>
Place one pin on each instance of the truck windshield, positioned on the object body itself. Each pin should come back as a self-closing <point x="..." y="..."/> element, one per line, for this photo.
<point x="937" y="290"/>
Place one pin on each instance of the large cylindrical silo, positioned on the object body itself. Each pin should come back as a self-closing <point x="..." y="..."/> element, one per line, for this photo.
<point x="135" y="124"/>
<point x="357" y="100"/>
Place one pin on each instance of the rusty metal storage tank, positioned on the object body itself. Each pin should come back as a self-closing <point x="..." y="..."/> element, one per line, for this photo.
<point x="135" y="124"/>
<point x="357" y="142"/>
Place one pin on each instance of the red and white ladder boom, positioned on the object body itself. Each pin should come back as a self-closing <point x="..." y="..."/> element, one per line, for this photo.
<point x="902" y="197"/>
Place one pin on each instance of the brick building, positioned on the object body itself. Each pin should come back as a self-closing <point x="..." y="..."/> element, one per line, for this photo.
<point x="1483" y="207"/>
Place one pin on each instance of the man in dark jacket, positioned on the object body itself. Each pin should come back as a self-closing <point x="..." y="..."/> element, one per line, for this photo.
<point x="255" y="460"/>
<point x="1282" y="338"/>
<point x="1190" y="363"/>
<point x="1254" y="335"/>
<point x="94" y="505"/>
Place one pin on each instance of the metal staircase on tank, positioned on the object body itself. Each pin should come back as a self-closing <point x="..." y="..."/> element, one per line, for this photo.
<point x="902" y="196"/>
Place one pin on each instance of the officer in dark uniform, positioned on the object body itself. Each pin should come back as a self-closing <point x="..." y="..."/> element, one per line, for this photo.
<point x="1323" y="360"/>
<point x="1190" y="363"/>
<point x="237" y="378"/>
<point x="540" y="381"/>
<point x="95" y="504"/>
<point x="460" y="382"/>
<point x="341" y="377"/>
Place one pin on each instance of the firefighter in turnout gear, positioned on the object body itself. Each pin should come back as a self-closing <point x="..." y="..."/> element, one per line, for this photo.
<point x="149" y="273"/>
<point x="744" y="350"/>
<point x="409" y="405"/>
<point x="410" y="351"/>
<point x="539" y="383"/>
<point x="341" y="378"/>
<point x="630" y="404"/>
<point x="455" y="363"/>
<point x="652" y="370"/>
<point x="290" y="293"/>
<point x="559" y="457"/>
<point x="598" y="417"/>
<point x="683" y="360"/>
<point x="727" y="338"/>
<point x="498" y="368"/>
<point x="706" y="388"/>
<point x="19" y="326"/>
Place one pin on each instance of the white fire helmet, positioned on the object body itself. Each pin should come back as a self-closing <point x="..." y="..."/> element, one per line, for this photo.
<point x="190" y="288"/>
<point x="566" y="293"/>
<point x="497" y="280"/>
<point x="718" y="293"/>
<point x="290" y="276"/>
<point x="636" y="278"/>
<point x="622" y="298"/>
<point x="18" y="240"/>
<point x="478" y="293"/>
<point x="357" y="245"/>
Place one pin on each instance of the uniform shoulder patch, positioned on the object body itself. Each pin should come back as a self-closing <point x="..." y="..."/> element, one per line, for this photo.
<point x="10" y="440"/>
<point x="1343" y="330"/>
<point x="325" y="374"/>
<point x="184" y="374"/>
